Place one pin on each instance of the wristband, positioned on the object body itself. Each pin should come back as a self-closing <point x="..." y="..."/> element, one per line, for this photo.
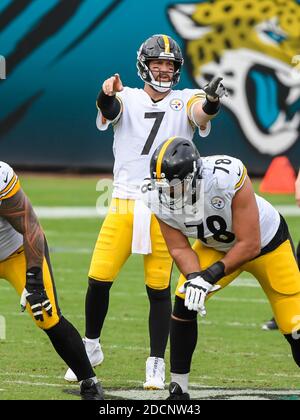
<point x="211" y="108"/>
<point x="214" y="272"/>
<point x="108" y="105"/>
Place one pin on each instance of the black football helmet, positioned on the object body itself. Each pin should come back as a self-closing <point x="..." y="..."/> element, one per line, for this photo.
<point x="174" y="167"/>
<point x="160" y="47"/>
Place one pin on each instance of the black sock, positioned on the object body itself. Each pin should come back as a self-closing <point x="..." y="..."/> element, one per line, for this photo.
<point x="96" y="307"/>
<point x="159" y="320"/>
<point x="183" y="337"/>
<point x="183" y="340"/>
<point x="68" y="344"/>
<point x="295" y="346"/>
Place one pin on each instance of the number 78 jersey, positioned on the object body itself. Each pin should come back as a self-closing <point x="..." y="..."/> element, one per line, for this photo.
<point x="141" y="127"/>
<point x="210" y="218"/>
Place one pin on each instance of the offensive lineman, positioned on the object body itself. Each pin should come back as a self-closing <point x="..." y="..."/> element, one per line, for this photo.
<point x="211" y="199"/>
<point x="140" y="119"/>
<point x="25" y="263"/>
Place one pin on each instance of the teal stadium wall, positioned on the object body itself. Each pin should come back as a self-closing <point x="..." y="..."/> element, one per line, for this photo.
<point x="59" y="52"/>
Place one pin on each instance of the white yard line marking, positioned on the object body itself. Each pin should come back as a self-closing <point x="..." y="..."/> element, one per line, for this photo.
<point x="33" y="376"/>
<point x="70" y="212"/>
<point x="238" y="300"/>
<point x="92" y="212"/>
<point x="239" y="282"/>
<point x="288" y="210"/>
<point x="233" y="324"/>
<point x="39" y="384"/>
<point x="70" y="250"/>
<point x="245" y="282"/>
<point x="132" y="382"/>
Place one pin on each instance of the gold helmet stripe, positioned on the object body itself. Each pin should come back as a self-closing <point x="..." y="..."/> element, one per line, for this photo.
<point x="167" y="43"/>
<point x="161" y="156"/>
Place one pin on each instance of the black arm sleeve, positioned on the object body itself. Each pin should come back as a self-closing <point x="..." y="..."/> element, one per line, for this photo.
<point x="108" y="105"/>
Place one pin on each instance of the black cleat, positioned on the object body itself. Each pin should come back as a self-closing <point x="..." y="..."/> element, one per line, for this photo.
<point x="270" y="325"/>
<point x="176" y="392"/>
<point x="91" y="391"/>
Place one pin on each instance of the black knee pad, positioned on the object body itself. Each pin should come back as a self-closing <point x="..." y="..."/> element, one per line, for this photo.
<point x="154" y="294"/>
<point x="100" y="284"/>
<point x="181" y="312"/>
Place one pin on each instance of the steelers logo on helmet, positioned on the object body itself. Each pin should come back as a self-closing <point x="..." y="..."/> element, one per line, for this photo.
<point x="159" y="47"/>
<point x="218" y="203"/>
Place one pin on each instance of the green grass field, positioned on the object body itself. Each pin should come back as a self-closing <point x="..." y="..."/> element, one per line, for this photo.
<point x="232" y="351"/>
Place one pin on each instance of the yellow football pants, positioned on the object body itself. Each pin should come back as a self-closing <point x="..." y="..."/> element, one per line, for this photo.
<point x="13" y="269"/>
<point x="113" y="247"/>
<point x="278" y="275"/>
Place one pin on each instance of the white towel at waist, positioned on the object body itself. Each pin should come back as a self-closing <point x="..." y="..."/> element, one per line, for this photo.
<point x="141" y="239"/>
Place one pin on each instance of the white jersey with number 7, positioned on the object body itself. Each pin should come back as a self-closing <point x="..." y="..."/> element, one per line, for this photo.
<point x="141" y="127"/>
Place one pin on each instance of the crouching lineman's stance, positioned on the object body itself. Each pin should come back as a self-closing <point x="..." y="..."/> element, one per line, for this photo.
<point x="236" y="231"/>
<point x="142" y="119"/>
<point x="25" y="263"/>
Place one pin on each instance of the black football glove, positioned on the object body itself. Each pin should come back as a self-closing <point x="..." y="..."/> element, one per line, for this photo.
<point x="35" y="294"/>
<point x="215" y="89"/>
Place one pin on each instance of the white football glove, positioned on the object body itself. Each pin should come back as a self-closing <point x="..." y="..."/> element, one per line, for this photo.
<point x="196" y="291"/>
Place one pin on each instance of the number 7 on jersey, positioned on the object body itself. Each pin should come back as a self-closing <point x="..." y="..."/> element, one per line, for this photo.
<point x="158" y="116"/>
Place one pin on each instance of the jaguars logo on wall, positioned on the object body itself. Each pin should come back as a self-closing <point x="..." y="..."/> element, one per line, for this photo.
<point x="254" y="46"/>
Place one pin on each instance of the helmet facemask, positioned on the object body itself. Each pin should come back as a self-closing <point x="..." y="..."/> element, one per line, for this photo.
<point x="159" y="85"/>
<point x="176" y="194"/>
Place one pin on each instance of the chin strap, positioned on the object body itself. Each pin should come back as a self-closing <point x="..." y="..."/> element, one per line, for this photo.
<point x="157" y="87"/>
<point x="160" y="89"/>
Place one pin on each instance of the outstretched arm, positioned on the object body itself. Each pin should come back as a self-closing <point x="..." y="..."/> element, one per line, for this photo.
<point x="107" y="101"/>
<point x="203" y="111"/>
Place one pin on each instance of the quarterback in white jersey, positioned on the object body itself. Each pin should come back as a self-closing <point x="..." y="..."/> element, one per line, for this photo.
<point x="140" y="128"/>
<point x="25" y="264"/>
<point x="141" y="118"/>
<point x="212" y="200"/>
